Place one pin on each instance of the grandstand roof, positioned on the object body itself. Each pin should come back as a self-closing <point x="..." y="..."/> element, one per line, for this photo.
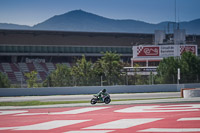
<point x="63" y="43"/>
<point x="33" y="37"/>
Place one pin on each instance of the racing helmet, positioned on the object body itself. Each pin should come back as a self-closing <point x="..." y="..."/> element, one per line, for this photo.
<point x="104" y="90"/>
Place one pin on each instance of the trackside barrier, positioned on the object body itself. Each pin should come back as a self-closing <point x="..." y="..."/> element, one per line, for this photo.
<point x="182" y="89"/>
<point x="94" y="89"/>
<point x="189" y="93"/>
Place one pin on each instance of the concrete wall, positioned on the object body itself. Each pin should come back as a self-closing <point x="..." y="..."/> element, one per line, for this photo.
<point x="93" y="89"/>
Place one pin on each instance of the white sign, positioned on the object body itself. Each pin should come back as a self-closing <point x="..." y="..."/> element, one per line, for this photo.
<point x="167" y="50"/>
<point x="37" y="60"/>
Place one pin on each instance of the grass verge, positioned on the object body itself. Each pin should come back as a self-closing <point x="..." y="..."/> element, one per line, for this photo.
<point x="34" y="103"/>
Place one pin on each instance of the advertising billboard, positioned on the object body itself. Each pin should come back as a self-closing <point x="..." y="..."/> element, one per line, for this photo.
<point x="148" y="51"/>
<point x="187" y="48"/>
<point x="162" y="51"/>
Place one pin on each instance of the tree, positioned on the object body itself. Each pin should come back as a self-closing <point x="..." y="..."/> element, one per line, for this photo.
<point x="60" y="77"/>
<point x="167" y="70"/>
<point x="139" y="79"/>
<point x="190" y="67"/>
<point x="31" y="79"/>
<point x="4" y="81"/>
<point x="82" y="72"/>
<point x="47" y="82"/>
<point x="110" y="67"/>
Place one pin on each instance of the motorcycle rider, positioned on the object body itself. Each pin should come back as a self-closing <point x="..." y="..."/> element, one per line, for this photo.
<point x="102" y="94"/>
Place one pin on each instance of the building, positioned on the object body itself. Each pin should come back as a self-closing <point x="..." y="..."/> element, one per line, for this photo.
<point x="148" y="57"/>
<point x="23" y="51"/>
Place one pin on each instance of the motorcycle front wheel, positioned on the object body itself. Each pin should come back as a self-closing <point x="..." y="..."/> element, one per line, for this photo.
<point x="107" y="100"/>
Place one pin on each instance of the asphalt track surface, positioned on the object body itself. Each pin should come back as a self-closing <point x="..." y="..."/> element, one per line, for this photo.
<point x="88" y="97"/>
<point x="131" y="118"/>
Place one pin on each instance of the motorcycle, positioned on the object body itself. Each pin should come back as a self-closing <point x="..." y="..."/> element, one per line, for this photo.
<point x="96" y="99"/>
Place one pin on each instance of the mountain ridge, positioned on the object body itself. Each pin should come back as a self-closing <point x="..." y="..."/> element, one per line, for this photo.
<point x="79" y="20"/>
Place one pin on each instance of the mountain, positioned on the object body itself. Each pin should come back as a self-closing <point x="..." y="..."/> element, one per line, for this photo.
<point x="13" y="26"/>
<point x="79" y="20"/>
<point x="192" y="26"/>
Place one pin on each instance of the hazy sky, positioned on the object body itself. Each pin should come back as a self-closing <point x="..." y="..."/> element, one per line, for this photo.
<point x="31" y="12"/>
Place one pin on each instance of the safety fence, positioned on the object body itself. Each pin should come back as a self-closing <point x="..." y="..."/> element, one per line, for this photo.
<point x="94" y="89"/>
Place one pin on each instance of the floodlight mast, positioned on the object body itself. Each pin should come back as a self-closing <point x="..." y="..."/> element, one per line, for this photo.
<point x="175" y="10"/>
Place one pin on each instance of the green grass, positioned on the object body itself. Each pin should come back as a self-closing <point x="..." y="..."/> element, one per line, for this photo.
<point x="33" y="103"/>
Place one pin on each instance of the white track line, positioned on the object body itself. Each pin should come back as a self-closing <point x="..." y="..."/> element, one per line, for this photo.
<point x="159" y="108"/>
<point x="123" y="123"/>
<point x="46" y="125"/>
<point x="75" y="111"/>
<point x="12" y="112"/>
<point x="78" y="111"/>
<point x="91" y="131"/>
<point x="189" y="119"/>
<point x="171" y="130"/>
<point x="31" y="114"/>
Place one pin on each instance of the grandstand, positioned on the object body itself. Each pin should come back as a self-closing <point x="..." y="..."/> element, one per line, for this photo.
<point x="22" y="51"/>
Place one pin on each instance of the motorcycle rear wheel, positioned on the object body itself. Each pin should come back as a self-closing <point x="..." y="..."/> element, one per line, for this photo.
<point x="93" y="101"/>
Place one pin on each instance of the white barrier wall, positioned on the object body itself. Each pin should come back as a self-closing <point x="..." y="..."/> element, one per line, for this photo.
<point x="93" y="89"/>
<point x="191" y="93"/>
